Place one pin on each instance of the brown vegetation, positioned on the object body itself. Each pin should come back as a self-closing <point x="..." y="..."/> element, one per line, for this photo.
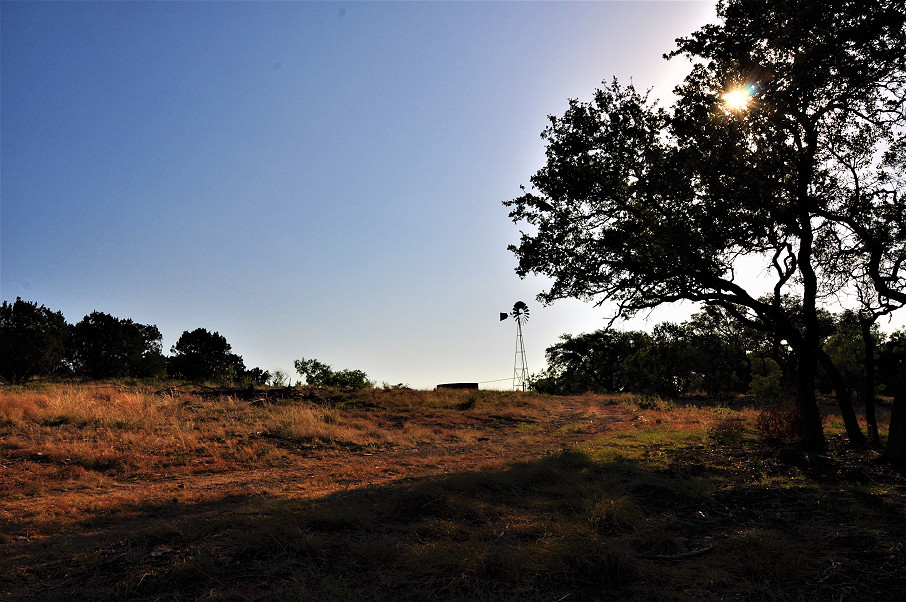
<point x="111" y="492"/>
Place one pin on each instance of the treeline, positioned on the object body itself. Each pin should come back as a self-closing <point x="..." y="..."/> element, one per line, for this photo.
<point x="713" y="353"/>
<point x="37" y="342"/>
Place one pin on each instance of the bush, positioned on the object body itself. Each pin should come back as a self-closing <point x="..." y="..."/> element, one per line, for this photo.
<point x="767" y="380"/>
<point x="318" y="374"/>
<point x="256" y="376"/>
<point x="651" y="402"/>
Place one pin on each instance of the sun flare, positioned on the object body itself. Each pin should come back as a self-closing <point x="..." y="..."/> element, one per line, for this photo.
<point x="737" y="99"/>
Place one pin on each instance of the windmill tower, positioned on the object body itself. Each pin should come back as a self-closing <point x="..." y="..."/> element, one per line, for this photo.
<point x="520" y="314"/>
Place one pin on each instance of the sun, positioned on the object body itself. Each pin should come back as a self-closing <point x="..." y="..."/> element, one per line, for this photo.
<point x="737" y="99"/>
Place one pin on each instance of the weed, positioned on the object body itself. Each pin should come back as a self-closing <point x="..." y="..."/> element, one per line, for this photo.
<point x="650" y="402"/>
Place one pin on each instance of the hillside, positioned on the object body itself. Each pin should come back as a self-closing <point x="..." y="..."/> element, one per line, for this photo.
<point x="129" y="492"/>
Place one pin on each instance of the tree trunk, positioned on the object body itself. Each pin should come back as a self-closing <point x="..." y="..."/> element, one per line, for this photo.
<point x="812" y="429"/>
<point x="850" y="420"/>
<point x="896" y="438"/>
<point x="844" y="401"/>
<point x="868" y="383"/>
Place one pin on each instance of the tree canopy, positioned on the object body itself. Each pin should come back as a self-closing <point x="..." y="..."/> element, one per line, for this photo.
<point x="785" y="147"/>
<point x="103" y="346"/>
<point x="319" y="374"/>
<point x="38" y="342"/>
<point x="201" y="355"/>
<point x="32" y="340"/>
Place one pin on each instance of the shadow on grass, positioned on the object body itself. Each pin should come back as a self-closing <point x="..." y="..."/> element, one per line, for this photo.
<point x="564" y="527"/>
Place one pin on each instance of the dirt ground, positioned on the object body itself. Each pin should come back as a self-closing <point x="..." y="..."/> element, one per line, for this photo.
<point x="58" y="530"/>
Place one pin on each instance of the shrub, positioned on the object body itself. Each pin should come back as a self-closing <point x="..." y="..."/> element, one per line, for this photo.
<point x="651" y="402"/>
<point x="318" y="374"/>
<point x="767" y="380"/>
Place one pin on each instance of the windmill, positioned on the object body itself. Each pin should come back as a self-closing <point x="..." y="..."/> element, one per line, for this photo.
<point x="520" y="314"/>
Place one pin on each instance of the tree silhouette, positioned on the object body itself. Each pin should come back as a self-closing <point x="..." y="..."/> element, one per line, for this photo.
<point x="319" y="374"/>
<point x="644" y="206"/>
<point x="103" y="346"/>
<point x="202" y="356"/>
<point x="32" y="340"/>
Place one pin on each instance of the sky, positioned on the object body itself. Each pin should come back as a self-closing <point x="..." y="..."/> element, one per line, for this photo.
<point x="309" y="179"/>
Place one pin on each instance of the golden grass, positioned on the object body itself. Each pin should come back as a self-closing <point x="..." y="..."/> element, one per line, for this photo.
<point x="306" y="494"/>
<point x="82" y="447"/>
<point x="102" y="406"/>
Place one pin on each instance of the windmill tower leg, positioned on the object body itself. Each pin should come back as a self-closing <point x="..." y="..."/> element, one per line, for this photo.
<point x="520" y="314"/>
<point x="520" y="366"/>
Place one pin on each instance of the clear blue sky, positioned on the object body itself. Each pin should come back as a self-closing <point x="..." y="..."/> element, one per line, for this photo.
<point x="319" y="180"/>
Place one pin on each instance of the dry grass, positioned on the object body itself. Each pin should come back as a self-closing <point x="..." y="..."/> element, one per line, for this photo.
<point x="110" y="492"/>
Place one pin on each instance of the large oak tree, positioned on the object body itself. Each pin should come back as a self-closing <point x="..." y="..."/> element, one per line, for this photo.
<point x="784" y="136"/>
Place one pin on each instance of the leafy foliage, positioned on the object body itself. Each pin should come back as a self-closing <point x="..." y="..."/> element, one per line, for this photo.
<point x="591" y="362"/>
<point x="766" y="383"/>
<point x="643" y="206"/>
<point x="102" y="346"/>
<point x="670" y="361"/>
<point x="256" y="376"/>
<point x="32" y="340"/>
<point x="318" y="374"/>
<point x="892" y="360"/>
<point x="204" y="356"/>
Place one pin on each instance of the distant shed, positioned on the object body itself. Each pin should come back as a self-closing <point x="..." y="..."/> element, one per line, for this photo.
<point x="458" y="386"/>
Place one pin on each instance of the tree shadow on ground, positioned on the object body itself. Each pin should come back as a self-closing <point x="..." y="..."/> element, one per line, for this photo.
<point x="568" y="526"/>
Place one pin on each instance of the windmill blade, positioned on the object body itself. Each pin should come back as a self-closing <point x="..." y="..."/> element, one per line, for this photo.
<point x="520" y="310"/>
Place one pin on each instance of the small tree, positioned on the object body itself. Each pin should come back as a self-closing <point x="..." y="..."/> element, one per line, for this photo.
<point x="318" y="374"/>
<point x="32" y="340"/>
<point x="102" y="346"/>
<point x="591" y="362"/>
<point x="279" y="378"/>
<point x="256" y="376"/>
<point x="204" y="356"/>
